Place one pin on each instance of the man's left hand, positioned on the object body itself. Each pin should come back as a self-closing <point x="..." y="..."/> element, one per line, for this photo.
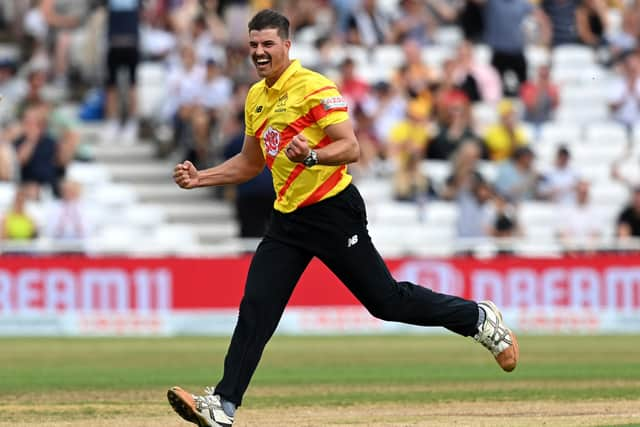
<point x="298" y="149"/>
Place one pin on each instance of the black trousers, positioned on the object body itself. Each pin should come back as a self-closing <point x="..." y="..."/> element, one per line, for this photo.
<point x="515" y="62"/>
<point x="333" y="230"/>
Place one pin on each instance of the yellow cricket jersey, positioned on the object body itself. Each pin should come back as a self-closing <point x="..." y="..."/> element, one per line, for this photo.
<point x="301" y="101"/>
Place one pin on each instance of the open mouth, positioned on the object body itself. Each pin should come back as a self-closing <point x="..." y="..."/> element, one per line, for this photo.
<point x="262" y="62"/>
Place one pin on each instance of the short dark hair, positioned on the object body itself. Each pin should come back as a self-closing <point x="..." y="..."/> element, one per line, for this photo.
<point x="268" y="18"/>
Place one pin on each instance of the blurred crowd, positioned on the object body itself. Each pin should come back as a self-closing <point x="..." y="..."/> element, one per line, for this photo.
<point x="68" y="50"/>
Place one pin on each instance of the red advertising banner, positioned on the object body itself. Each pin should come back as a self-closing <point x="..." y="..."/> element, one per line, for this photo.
<point x="59" y="284"/>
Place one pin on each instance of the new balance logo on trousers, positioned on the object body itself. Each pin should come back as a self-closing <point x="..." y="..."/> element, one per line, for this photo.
<point x="351" y="241"/>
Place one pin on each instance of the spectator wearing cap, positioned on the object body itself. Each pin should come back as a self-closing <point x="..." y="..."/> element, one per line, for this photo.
<point x="504" y="137"/>
<point x="540" y="97"/>
<point x="123" y="35"/>
<point x="408" y="144"/>
<point x="559" y="184"/>
<point x="517" y="180"/>
<point x="628" y="223"/>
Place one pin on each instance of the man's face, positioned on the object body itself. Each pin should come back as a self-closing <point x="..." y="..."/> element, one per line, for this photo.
<point x="269" y="53"/>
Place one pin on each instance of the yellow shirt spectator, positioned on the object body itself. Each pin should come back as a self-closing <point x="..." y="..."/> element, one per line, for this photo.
<point x="504" y="137"/>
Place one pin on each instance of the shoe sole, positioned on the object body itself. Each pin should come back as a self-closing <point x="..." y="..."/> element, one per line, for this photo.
<point x="184" y="405"/>
<point x="514" y="340"/>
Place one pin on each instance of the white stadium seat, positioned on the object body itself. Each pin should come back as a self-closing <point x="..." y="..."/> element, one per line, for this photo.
<point x="560" y="132"/>
<point x="388" y="56"/>
<point x="570" y="55"/>
<point x="605" y="133"/>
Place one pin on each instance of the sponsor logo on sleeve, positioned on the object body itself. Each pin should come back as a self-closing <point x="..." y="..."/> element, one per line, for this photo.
<point x="334" y="102"/>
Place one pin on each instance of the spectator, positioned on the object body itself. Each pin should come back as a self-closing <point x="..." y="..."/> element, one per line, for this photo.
<point x="62" y="18"/>
<point x="447" y="93"/>
<point x="253" y="199"/>
<point x="453" y="133"/>
<point x="67" y="218"/>
<point x="6" y="161"/>
<point x="504" y="33"/>
<point x="624" y="97"/>
<point x="479" y="81"/>
<point x="408" y="145"/>
<point x="386" y="108"/>
<point x="630" y="177"/>
<point x="36" y="151"/>
<point x="17" y="224"/>
<point x="503" y="222"/>
<point x="60" y="125"/>
<point x="368" y="26"/>
<point x="354" y="89"/>
<point x="415" y="77"/>
<point x="123" y="29"/>
<point x="185" y="87"/>
<point x="12" y="88"/>
<point x="503" y="138"/>
<point x="540" y="98"/>
<point x="474" y="211"/>
<point x="559" y="185"/>
<point x="561" y="14"/>
<point x="471" y="20"/>
<point x="215" y="23"/>
<point x="414" y="22"/>
<point x="205" y="115"/>
<point x="625" y="39"/>
<point x="579" y="226"/>
<point x="464" y="172"/>
<point x="628" y="224"/>
<point x="517" y="179"/>
<point x="592" y="22"/>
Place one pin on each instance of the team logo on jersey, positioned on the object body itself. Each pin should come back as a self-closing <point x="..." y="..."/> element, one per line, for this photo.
<point x="334" y="102"/>
<point x="271" y="141"/>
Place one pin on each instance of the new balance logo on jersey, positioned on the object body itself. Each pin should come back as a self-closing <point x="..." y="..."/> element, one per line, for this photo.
<point x="351" y="241"/>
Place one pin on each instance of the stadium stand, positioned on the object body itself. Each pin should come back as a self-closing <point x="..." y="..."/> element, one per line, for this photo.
<point x="136" y="208"/>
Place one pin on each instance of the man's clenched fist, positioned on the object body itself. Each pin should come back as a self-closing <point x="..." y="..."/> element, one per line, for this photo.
<point x="186" y="175"/>
<point x="298" y="149"/>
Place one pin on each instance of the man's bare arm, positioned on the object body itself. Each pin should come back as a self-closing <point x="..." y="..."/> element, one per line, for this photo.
<point x="238" y="169"/>
<point x="343" y="149"/>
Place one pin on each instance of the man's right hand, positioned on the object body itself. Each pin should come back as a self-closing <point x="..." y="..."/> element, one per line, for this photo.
<point x="186" y="175"/>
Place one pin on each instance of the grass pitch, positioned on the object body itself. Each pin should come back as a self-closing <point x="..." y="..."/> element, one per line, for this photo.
<point x="314" y="381"/>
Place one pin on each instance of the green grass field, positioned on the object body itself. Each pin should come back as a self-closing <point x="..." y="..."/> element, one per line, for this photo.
<point x="387" y="380"/>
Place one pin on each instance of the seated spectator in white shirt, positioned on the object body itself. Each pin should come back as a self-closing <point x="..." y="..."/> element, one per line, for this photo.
<point x="579" y="227"/>
<point x="624" y="96"/>
<point x="559" y="184"/>
<point x="67" y="219"/>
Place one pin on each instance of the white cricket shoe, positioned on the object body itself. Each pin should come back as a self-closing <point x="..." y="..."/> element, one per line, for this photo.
<point x="205" y="411"/>
<point x="497" y="338"/>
